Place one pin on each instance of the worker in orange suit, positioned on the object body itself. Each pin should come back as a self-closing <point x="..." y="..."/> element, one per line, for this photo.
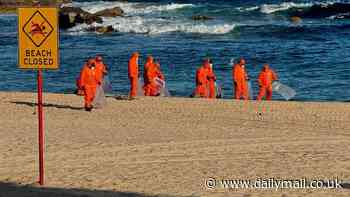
<point x="101" y="68"/>
<point x="149" y="75"/>
<point x="265" y="79"/>
<point x="211" y="81"/>
<point x="89" y="82"/>
<point x="202" y="82"/>
<point x="240" y="78"/>
<point x="133" y="72"/>
<point x="149" y="62"/>
<point x="80" y="91"/>
<point x="151" y="88"/>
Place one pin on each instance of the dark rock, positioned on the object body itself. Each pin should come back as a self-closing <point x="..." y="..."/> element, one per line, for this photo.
<point x="201" y="17"/>
<point x="92" y="18"/>
<point x="65" y="22"/>
<point x="103" y="30"/>
<point x="71" y="16"/>
<point x="113" y="12"/>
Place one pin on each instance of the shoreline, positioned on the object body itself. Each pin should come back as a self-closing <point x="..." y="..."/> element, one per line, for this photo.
<point x="188" y="97"/>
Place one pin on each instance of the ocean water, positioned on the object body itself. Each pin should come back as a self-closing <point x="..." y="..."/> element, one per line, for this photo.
<point x="313" y="56"/>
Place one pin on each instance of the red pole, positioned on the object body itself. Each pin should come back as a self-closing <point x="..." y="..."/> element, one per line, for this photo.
<point x="41" y="128"/>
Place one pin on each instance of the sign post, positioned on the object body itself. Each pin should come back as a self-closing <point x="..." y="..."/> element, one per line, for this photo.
<point x="38" y="49"/>
<point x="41" y="128"/>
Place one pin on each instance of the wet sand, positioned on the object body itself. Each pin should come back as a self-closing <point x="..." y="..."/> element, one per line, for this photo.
<point x="171" y="146"/>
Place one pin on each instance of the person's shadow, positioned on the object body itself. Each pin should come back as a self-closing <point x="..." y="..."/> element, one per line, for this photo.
<point x="32" y="104"/>
<point x="15" y="190"/>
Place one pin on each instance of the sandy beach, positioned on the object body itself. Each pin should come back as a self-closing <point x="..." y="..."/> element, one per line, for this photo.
<point x="171" y="146"/>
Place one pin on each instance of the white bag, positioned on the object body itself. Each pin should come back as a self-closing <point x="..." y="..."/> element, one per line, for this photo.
<point x="100" y="99"/>
<point x="140" y="91"/>
<point x="163" y="90"/>
<point x="106" y="84"/>
<point x="250" y="90"/>
<point x="285" y="91"/>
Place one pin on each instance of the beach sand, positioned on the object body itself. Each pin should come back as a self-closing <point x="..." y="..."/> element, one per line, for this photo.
<point x="171" y="146"/>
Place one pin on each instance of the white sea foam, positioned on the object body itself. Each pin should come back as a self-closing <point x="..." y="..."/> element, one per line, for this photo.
<point x="140" y="25"/>
<point x="193" y="28"/>
<point x="248" y="9"/>
<point x="96" y="6"/>
<point x="271" y="8"/>
<point x="339" y="16"/>
<point x="168" y="7"/>
<point x="140" y="18"/>
<point x="79" y="29"/>
<point x="129" y="8"/>
<point x="252" y="8"/>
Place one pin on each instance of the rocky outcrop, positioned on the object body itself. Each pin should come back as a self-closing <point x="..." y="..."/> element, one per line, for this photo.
<point x="113" y="12"/>
<point x="201" y="17"/>
<point x="102" y="30"/>
<point x="71" y="16"/>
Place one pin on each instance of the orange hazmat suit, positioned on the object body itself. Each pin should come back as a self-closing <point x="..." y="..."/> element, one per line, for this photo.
<point x="240" y="77"/>
<point x="89" y="83"/>
<point x="80" y="90"/>
<point x="202" y="80"/>
<point x="149" y="62"/>
<point x="101" y="69"/>
<point x="150" y="73"/>
<point x="265" y="79"/>
<point x="133" y="73"/>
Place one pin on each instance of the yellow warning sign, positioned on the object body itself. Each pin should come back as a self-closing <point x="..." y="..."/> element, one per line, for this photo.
<point x="38" y="38"/>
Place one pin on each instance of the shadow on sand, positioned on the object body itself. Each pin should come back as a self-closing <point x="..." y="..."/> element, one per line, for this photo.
<point x="14" y="190"/>
<point x="31" y="104"/>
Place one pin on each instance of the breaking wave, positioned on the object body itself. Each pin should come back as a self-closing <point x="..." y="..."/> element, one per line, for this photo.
<point x="329" y="9"/>
<point x="140" y="25"/>
<point x="340" y="16"/>
<point x="272" y="8"/>
<point x="129" y="8"/>
<point x="151" y="18"/>
<point x="147" y="18"/>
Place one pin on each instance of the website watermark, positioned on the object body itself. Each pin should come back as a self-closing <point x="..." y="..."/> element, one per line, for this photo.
<point x="272" y="183"/>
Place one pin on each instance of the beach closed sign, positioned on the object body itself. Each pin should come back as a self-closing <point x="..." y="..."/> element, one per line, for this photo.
<point x="38" y="38"/>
